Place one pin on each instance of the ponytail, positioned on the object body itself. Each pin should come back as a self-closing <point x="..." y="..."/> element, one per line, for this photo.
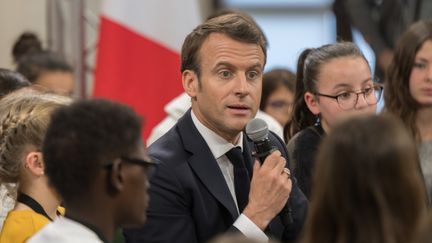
<point x="301" y="116"/>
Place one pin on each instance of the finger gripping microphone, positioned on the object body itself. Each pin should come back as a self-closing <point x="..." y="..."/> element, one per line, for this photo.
<point x="257" y="131"/>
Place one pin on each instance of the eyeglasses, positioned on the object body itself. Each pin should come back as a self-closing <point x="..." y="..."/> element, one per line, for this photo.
<point x="141" y="162"/>
<point x="348" y="100"/>
<point x="278" y="104"/>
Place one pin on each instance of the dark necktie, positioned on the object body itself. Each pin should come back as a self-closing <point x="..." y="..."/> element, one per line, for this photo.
<point x="241" y="177"/>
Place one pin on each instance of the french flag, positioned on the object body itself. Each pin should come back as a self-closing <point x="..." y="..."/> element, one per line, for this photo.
<point x="138" y="59"/>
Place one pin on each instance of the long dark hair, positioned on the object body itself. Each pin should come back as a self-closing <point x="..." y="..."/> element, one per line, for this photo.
<point x="397" y="96"/>
<point x="367" y="184"/>
<point x="308" y="69"/>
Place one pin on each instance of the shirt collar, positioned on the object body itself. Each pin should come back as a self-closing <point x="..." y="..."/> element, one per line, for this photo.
<point x="217" y="144"/>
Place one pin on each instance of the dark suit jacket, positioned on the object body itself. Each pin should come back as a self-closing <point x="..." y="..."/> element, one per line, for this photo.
<point x="189" y="198"/>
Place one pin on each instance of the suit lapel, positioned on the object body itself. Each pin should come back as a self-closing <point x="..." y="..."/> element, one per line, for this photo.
<point x="204" y="164"/>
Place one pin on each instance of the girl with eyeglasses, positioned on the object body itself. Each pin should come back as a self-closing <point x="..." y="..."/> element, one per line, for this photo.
<point x="409" y="90"/>
<point x="278" y="94"/>
<point x="333" y="82"/>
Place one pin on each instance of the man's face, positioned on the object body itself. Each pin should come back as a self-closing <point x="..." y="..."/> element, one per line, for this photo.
<point x="135" y="197"/>
<point x="227" y="93"/>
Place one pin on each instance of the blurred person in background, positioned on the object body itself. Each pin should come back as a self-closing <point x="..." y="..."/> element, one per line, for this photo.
<point x="11" y="81"/>
<point x="368" y="187"/>
<point x="408" y="92"/>
<point x="46" y="70"/>
<point x="424" y="232"/>
<point x="278" y="94"/>
<point x="382" y="22"/>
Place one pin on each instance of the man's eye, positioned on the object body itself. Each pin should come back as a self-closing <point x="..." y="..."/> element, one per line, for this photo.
<point x="252" y="75"/>
<point x="225" y="74"/>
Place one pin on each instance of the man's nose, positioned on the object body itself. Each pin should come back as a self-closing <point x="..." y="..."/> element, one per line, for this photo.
<point x="241" y="85"/>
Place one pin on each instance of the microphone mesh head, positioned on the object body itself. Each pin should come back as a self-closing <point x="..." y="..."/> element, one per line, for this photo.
<point x="257" y="129"/>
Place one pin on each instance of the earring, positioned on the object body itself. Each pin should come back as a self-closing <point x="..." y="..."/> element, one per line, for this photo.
<point x="317" y="121"/>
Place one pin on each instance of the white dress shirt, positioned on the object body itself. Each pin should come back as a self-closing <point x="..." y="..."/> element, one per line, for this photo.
<point x="219" y="146"/>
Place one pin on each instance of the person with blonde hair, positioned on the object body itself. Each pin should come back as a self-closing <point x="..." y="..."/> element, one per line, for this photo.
<point x="9" y="82"/>
<point x="24" y="118"/>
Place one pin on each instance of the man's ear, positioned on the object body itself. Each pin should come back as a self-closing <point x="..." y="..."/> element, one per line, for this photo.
<point x="190" y="83"/>
<point x="312" y="103"/>
<point x="116" y="177"/>
<point x="34" y="163"/>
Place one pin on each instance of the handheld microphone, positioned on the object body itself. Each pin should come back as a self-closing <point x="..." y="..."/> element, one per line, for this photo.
<point x="257" y="131"/>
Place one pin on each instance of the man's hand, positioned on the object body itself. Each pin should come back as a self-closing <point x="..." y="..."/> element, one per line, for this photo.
<point x="269" y="192"/>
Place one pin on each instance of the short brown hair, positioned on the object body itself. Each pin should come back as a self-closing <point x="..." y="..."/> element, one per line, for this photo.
<point x="237" y="26"/>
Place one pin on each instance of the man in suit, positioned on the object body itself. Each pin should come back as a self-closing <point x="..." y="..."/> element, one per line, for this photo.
<point x="196" y="191"/>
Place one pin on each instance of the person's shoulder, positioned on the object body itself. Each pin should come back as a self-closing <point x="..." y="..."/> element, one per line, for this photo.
<point x="20" y="225"/>
<point x="46" y="233"/>
<point x="65" y="230"/>
<point x="26" y="219"/>
<point x="308" y="135"/>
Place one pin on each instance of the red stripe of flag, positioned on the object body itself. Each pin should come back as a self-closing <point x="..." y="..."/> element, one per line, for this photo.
<point x="135" y="70"/>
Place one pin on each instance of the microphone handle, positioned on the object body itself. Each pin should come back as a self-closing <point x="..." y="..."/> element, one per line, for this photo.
<point x="261" y="156"/>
